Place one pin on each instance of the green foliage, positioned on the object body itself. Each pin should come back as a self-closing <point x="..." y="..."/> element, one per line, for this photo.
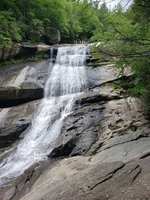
<point x="125" y="38"/>
<point x="35" y="30"/>
<point x="9" y="29"/>
<point x="39" y="20"/>
<point x="88" y="19"/>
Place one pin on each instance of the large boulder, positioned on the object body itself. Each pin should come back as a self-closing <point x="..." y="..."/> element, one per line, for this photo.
<point x="23" y="83"/>
<point x="11" y="96"/>
<point x="14" y="121"/>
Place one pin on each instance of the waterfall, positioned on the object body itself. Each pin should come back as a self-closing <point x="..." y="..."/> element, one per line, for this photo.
<point x="66" y="81"/>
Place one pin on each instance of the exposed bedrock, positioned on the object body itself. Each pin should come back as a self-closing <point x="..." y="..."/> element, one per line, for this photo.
<point x="25" y="82"/>
<point x="14" y="121"/>
<point x="107" y="135"/>
<point x="98" y="126"/>
<point x="85" y="178"/>
<point x="22" y="83"/>
<point x="24" y="51"/>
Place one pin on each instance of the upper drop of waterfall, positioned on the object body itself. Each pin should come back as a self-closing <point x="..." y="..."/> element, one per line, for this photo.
<point x="66" y="81"/>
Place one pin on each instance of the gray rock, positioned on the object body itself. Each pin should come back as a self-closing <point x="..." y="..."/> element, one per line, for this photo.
<point x="81" y="178"/>
<point x="101" y="74"/>
<point x="104" y="73"/>
<point x="124" y="152"/>
<point x="106" y="129"/>
<point x="22" y="183"/>
<point x="15" y="120"/>
<point x="11" y="96"/>
<point x="23" y="83"/>
<point x="97" y="124"/>
<point x="22" y="51"/>
<point x="79" y="131"/>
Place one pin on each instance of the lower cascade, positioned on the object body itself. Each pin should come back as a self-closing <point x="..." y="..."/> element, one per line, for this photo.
<point x="65" y="82"/>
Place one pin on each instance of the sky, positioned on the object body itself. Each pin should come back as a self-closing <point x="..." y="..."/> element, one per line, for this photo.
<point x="112" y="3"/>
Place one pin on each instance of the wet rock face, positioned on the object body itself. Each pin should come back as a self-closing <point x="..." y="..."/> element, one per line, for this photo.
<point x="101" y="125"/>
<point x="79" y="132"/>
<point x="106" y="132"/>
<point x="14" y="121"/>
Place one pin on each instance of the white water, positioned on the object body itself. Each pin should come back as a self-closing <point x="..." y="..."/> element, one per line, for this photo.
<point x="66" y="81"/>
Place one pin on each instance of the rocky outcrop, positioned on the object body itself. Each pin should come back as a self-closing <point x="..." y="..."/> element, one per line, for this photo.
<point x="14" y="121"/>
<point x="25" y="51"/>
<point x="21" y="51"/>
<point x="23" y="183"/>
<point x="87" y="178"/>
<point x="12" y="96"/>
<point x="22" y="83"/>
<point x="101" y="125"/>
<point x="102" y="151"/>
<point x="100" y="115"/>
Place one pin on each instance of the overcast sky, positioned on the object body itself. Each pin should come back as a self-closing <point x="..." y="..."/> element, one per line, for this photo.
<point x="112" y="3"/>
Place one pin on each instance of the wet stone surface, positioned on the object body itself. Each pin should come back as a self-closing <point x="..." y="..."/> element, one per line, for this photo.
<point x="106" y="136"/>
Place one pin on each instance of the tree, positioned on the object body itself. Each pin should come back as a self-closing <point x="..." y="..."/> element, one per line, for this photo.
<point x="126" y="39"/>
<point x="9" y="29"/>
<point x="88" y="19"/>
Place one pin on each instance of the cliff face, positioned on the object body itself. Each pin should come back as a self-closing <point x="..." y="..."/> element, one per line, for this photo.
<point x="22" y="51"/>
<point x="106" y="133"/>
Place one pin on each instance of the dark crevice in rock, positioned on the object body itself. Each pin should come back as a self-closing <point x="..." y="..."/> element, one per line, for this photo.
<point x="107" y="177"/>
<point x="71" y="128"/>
<point x="98" y="63"/>
<point x="91" y="60"/>
<point x="15" y="193"/>
<point x="30" y="176"/>
<point x="121" y="78"/>
<point x="145" y="155"/>
<point x="63" y="150"/>
<point x="142" y="136"/>
<point x="95" y="99"/>
<point x="18" y="191"/>
<point x="137" y="171"/>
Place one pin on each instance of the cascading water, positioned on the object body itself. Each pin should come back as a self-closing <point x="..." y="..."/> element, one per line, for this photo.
<point x="66" y="81"/>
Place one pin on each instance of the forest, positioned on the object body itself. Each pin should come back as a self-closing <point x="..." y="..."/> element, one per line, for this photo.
<point x="122" y="35"/>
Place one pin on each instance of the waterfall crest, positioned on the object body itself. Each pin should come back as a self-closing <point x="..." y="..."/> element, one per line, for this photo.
<point x="66" y="80"/>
